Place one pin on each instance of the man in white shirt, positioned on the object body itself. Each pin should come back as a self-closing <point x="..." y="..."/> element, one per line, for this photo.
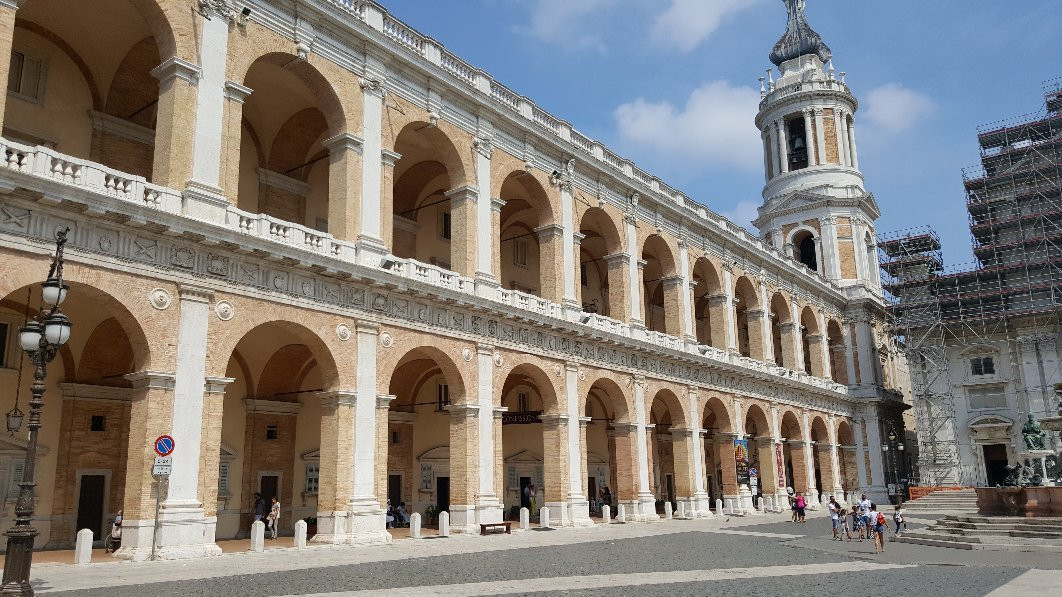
<point x="864" y="514"/>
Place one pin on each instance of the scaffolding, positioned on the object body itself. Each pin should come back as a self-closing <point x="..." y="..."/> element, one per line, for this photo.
<point x="1014" y="204"/>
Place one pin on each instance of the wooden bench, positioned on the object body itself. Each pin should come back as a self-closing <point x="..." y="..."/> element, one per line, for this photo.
<point x="494" y="525"/>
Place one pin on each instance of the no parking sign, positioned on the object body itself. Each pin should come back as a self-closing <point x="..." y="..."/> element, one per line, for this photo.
<point x="164" y="445"/>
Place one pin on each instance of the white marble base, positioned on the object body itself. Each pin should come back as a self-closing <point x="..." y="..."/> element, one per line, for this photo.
<point x="580" y="513"/>
<point x="184" y="532"/>
<point x="463" y="520"/>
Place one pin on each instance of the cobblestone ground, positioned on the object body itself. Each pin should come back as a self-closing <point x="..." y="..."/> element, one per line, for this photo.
<point x="670" y="558"/>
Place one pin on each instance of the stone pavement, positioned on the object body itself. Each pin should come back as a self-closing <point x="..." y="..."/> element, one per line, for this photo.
<point x="752" y="555"/>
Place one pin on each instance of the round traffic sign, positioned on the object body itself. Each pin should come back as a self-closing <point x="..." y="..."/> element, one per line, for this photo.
<point x="164" y="445"/>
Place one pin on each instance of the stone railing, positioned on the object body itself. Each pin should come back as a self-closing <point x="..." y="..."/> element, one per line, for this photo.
<point x="776" y="93"/>
<point x="100" y="182"/>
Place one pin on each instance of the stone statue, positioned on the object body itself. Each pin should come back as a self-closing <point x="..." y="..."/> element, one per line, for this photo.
<point x="1035" y="438"/>
<point x="1013" y="475"/>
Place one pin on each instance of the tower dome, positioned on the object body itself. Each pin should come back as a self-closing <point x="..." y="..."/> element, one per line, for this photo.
<point x="799" y="38"/>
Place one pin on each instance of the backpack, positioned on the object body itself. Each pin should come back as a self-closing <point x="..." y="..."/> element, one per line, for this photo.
<point x="881" y="518"/>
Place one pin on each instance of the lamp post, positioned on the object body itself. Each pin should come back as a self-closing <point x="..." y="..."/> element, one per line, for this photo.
<point x="894" y="449"/>
<point x="41" y="339"/>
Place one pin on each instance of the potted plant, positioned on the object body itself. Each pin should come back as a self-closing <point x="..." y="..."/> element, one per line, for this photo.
<point x="431" y="513"/>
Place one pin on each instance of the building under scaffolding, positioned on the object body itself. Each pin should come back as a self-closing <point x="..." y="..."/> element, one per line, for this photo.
<point x="983" y="342"/>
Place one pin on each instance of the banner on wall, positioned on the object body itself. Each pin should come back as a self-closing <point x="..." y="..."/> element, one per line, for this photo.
<point x="741" y="459"/>
<point x="779" y="463"/>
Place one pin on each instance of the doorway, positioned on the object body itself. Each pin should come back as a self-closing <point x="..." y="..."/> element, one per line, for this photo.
<point x="525" y="494"/>
<point x="269" y="485"/>
<point x="90" y="505"/>
<point x="591" y="493"/>
<point x="442" y="487"/>
<point x="995" y="463"/>
<point x="670" y="484"/>
<point x="394" y="490"/>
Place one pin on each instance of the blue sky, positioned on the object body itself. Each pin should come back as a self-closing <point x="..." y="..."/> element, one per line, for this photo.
<point x="672" y="84"/>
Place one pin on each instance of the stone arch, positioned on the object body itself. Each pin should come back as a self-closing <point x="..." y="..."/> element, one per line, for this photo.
<point x="107" y="356"/>
<point x="748" y="317"/>
<point x="612" y="395"/>
<point x="602" y="270"/>
<point x="292" y="145"/>
<point x="441" y="360"/>
<point x="819" y="430"/>
<point x="678" y="414"/>
<point x="755" y="415"/>
<point x="299" y="335"/>
<point x="537" y="377"/>
<point x="716" y="415"/>
<point x="451" y="145"/>
<point x="328" y="100"/>
<point x="661" y="287"/>
<point x="529" y="244"/>
<point x="790" y="427"/>
<point x="71" y="53"/>
<point x="133" y="92"/>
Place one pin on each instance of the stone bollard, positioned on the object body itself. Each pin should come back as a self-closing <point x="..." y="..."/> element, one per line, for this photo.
<point x="621" y="513"/>
<point x="414" y="525"/>
<point x="83" y="548"/>
<point x="718" y="507"/>
<point x="543" y="518"/>
<point x="606" y="514"/>
<point x="525" y="519"/>
<point x="300" y="534"/>
<point x="682" y="510"/>
<point x="258" y="536"/>
<point x="444" y="524"/>
<point x="668" y="512"/>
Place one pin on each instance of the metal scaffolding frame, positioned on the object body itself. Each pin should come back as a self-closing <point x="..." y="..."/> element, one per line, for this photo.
<point x="1014" y="203"/>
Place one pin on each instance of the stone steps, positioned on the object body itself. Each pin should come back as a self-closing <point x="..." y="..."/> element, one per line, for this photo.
<point x="960" y="500"/>
<point x="1010" y="533"/>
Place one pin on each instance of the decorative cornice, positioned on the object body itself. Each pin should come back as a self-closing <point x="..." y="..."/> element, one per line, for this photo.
<point x="236" y="92"/>
<point x="277" y="180"/>
<point x="122" y="128"/>
<point x="152" y="380"/>
<point x="271" y="407"/>
<point x="179" y="68"/>
<point x="217" y="385"/>
<point x="344" y="142"/>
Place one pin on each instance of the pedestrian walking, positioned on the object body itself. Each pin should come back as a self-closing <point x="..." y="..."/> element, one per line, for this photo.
<point x="792" y="503"/>
<point x="835" y="518"/>
<point x="843" y="515"/>
<point x="259" y="507"/>
<point x="865" y="506"/>
<point x="274" y="517"/>
<point x="801" y="503"/>
<point x="898" y="520"/>
<point x="880" y="525"/>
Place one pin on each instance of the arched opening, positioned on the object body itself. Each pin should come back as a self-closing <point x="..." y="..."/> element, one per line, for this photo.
<point x="602" y="268"/>
<point x="283" y="163"/>
<point x="811" y="340"/>
<point x="524" y="241"/>
<point x="270" y="438"/>
<point x="720" y="470"/>
<point x="835" y="343"/>
<point x="806" y="250"/>
<point x="425" y="222"/>
<point x="796" y="468"/>
<point x="84" y="438"/>
<point x="82" y="86"/>
<point x="761" y="452"/>
<point x="823" y="470"/>
<point x="748" y="316"/>
<point x="531" y="436"/>
<point x="669" y="466"/>
<point x="797" y="139"/>
<point x="609" y="447"/>
<point x="782" y="332"/>
<point x="709" y="304"/>
<point x="421" y="476"/>
<point x="848" y="453"/>
<point x="660" y="287"/>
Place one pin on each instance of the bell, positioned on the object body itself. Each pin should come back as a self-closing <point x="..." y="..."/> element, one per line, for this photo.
<point x="798" y="143"/>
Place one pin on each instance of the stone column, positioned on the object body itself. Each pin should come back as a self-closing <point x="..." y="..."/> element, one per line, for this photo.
<point x="852" y="144"/>
<point x="642" y="298"/>
<point x="868" y="353"/>
<point x="828" y="465"/>
<point x="725" y="449"/>
<point x="366" y="523"/>
<point x="551" y="243"/>
<point x="842" y="137"/>
<point x="744" y="492"/>
<point x="336" y="480"/>
<point x="578" y="505"/>
<point x="730" y="313"/>
<point x="701" y="505"/>
<point x="767" y="162"/>
<point x="799" y="459"/>
<point x="809" y="462"/>
<point x="861" y="456"/>
<point x="766" y="327"/>
<point x="783" y="146"/>
<point x="235" y="95"/>
<point x="683" y="450"/>
<point x="568" y="265"/>
<point x="798" y="337"/>
<point x="489" y="507"/>
<point x="577" y="262"/>
<point x="151" y="415"/>
<point x="808" y="137"/>
<point x="849" y="353"/>
<point x="205" y="182"/>
<point x="463" y="216"/>
<point x="584" y="480"/>
<point x="676" y="302"/>
<point x="618" y="282"/>
<point x="772" y="148"/>
<point x="768" y="466"/>
<point x="210" y="457"/>
<point x="837" y="486"/>
<point x="464" y="461"/>
<point x="496" y="206"/>
<point x="634" y="275"/>
<point x="7" y="36"/>
<point x="816" y="344"/>
<point x="555" y="464"/>
<point x="688" y="320"/>
<point x="820" y="138"/>
<point x="370" y="235"/>
<point x="383" y="441"/>
<point x="487" y="244"/>
<point x="344" y="185"/>
<point x="174" y="122"/>
<point x="779" y="481"/>
<point x="756" y="342"/>
<point x="831" y="262"/>
<point x="721" y="314"/>
<point x="647" y="509"/>
<point x="878" y="489"/>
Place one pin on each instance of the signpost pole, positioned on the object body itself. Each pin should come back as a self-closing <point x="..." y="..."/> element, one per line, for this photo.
<point x="158" y="505"/>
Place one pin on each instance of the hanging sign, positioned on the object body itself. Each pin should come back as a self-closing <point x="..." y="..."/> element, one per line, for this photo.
<point x="741" y="459"/>
<point x="779" y="462"/>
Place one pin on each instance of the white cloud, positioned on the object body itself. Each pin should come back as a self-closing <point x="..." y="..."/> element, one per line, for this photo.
<point x="714" y="127"/>
<point x="743" y="213"/>
<point x="687" y="23"/>
<point x="891" y="108"/>
<point x="564" y="22"/>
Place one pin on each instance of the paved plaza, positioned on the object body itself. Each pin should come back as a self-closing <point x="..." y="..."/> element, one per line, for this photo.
<point x="757" y="555"/>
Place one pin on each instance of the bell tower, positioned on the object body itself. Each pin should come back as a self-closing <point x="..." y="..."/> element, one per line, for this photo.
<point x="815" y="207"/>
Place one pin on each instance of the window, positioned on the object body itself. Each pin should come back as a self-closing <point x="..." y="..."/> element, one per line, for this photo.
<point x="395" y="437"/>
<point x="223" y="479"/>
<point x="444" y="227"/>
<point x="582" y="274"/>
<point x="806" y="253"/>
<point x="98" y="423"/>
<point x="443" y="396"/>
<point x="25" y="77"/>
<point x="313" y="477"/>
<point x="4" y="340"/>
<point x="982" y="366"/>
<point x="798" y="144"/>
<point x="272" y="432"/>
<point x="523" y="404"/>
<point x="987" y="397"/>
<point x="520" y="253"/>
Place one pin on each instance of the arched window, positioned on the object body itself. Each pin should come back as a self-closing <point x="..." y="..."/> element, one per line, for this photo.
<point x="805" y="250"/>
<point x="798" y="144"/>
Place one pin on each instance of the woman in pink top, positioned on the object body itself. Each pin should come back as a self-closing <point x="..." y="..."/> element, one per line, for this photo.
<point x="801" y="503"/>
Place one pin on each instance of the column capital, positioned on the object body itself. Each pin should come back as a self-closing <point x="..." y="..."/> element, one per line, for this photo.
<point x="484" y="348"/>
<point x="462" y="194"/>
<point x="672" y="281"/>
<point x="152" y="380"/>
<point x="484" y="146"/>
<point x="337" y="398"/>
<point x="571" y="366"/>
<point x="217" y="385"/>
<point x="194" y="294"/>
<point x="174" y="67"/>
<point x="624" y="428"/>
<point x="462" y="410"/>
<point x="499" y="412"/>
<point x="343" y="142"/>
<point x="389" y="158"/>
<point x="617" y="258"/>
<point x="560" y="419"/>
<point x="549" y="232"/>
<point x="367" y="327"/>
<point x="383" y="401"/>
<point x="682" y="432"/>
<point x="584" y="421"/>
<point x="497" y="204"/>
<point x="376" y="87"/>
<point x="234" y="92"/>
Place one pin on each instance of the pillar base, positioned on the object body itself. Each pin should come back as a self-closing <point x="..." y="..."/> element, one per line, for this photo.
<point x="703" y="505"/>
<point x="371" y="251"/>
<point x="647" y="508"/>
<point x="558" y="514"/>
<point x="368" y="527"/>
<point x="746" y="501"/>
<point x="185" y="532"/>
<point x="331" y="528"/>
<point x="489" y="510"/>
<point x="580" y="512"/>
<point x="463" y="520"/>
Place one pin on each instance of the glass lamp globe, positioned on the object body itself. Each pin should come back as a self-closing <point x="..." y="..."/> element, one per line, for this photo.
<point x="53" y="291"/>
<point x="29" y="337"/>
<point x="14" y="420"/>
<point x="57" y="329"/>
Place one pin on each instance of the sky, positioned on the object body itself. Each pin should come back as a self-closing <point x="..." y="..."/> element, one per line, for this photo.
<point x="673" y="85"/>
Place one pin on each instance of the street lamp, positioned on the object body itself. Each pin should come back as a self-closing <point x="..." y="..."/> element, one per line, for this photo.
<point x="896" y="453"/>
<point x="41" y="339"/>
